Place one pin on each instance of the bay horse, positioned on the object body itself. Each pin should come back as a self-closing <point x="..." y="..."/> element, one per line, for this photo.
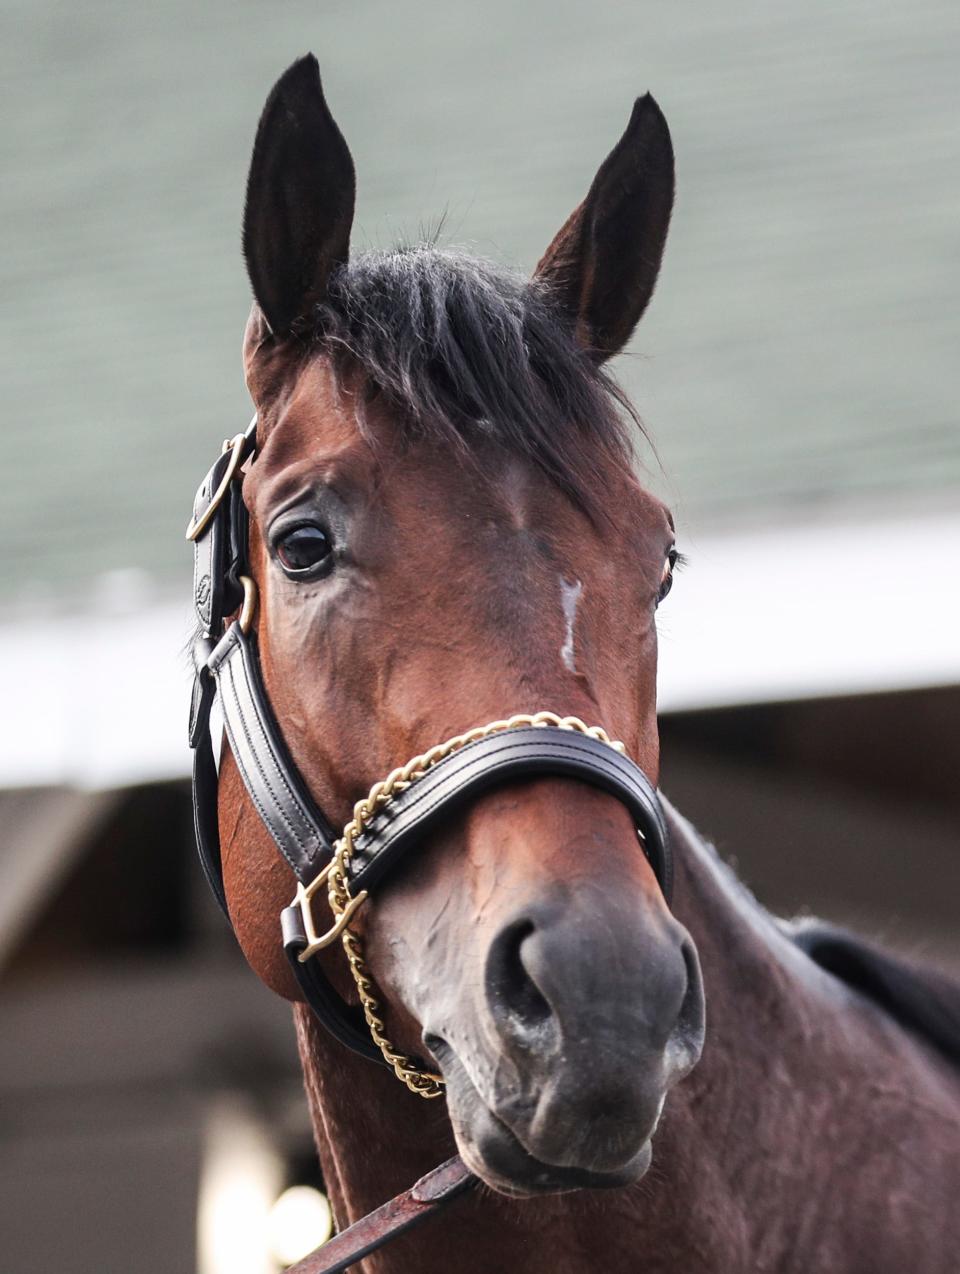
<point x="443" y="525"/>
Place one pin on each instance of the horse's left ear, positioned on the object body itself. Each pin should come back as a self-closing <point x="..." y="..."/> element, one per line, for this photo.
<point x="603" y="265"/>
<point x="300" y="197"/>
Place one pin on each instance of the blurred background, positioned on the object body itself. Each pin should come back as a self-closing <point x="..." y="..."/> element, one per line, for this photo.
<point x="797" y="371"/>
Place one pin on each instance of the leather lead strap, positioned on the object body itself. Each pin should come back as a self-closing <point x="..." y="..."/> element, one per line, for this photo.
<point x="425" y="1199"/>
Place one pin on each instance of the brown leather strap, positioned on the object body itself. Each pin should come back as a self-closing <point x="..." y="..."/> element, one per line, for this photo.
<point x="424" y="1199"/>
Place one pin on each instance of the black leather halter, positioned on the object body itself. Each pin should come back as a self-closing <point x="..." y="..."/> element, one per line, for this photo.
<point x="228" y="669"/>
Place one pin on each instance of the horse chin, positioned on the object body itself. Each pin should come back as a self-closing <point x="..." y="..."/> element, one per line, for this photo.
<point x="495" y="1153"/>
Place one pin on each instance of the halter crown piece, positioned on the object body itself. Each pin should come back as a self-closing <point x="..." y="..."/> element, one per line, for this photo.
<point x="399" y="811"/>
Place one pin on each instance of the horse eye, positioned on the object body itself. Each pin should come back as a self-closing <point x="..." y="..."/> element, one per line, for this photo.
<point x="666" y="579"/>
<point x="303" y="548"/>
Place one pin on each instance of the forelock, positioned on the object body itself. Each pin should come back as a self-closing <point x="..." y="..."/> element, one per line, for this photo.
<point x="470" y="354"/>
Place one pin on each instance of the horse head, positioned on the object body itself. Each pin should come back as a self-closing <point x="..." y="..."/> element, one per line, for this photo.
<point x="446" y="529"/>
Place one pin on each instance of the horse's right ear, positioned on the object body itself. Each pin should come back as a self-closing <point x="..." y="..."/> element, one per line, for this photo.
<point x="300" y="197"/>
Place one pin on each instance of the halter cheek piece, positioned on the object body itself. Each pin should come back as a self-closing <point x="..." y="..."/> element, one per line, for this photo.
<point x="399" y="812"/>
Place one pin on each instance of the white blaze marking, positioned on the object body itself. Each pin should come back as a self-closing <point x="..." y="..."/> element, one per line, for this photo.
<point x="570" y="597"/>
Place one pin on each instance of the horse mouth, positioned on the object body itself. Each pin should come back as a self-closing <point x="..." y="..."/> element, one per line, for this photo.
<point x="498" y="1156"/>
<point x="501" y="1160"/>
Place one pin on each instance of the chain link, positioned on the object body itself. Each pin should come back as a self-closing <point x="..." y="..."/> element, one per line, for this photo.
<point x="424" y="1083"/>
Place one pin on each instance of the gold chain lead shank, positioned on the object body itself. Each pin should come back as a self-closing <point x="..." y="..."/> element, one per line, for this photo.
<point x="344" y="906"/>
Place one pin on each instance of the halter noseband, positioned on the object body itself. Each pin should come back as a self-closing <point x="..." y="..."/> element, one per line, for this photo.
<point x="399" y="811"/>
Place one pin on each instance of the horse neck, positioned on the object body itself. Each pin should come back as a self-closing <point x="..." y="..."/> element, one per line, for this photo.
<point x="779" y="1047"/>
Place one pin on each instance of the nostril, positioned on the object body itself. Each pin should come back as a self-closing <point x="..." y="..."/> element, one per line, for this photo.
<point x="439" y="1048"/>
<point x="515" y="998"/>
<point x="689" y="1030"/>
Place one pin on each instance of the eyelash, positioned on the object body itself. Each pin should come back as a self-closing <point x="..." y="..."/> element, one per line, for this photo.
<point x="675" y="561"/>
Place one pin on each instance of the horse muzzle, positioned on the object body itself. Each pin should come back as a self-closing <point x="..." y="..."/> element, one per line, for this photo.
<point x="592" y="1010"/>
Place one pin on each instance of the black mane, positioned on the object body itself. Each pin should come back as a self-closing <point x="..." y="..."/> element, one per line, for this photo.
<point x="470" y="353"/>
<point x="922" y="999"/>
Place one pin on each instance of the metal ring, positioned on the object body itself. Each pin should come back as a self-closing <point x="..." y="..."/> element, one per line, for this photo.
<point x="237" y="448"/>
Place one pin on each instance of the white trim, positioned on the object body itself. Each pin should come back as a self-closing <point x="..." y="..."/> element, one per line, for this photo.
<point x="813" y="611"/>
<point x="95" y="700"/>
<point x="100" y="700"/>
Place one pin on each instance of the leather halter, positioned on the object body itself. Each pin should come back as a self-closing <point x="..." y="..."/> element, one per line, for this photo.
<point x="227" y="668"/>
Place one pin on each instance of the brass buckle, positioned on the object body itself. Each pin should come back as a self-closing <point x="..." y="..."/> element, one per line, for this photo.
<point x="304" y="898"/>
<point x="237" y="449"/>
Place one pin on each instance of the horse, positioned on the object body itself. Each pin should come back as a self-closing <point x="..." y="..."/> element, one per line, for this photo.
<point x="444" y="526"/>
